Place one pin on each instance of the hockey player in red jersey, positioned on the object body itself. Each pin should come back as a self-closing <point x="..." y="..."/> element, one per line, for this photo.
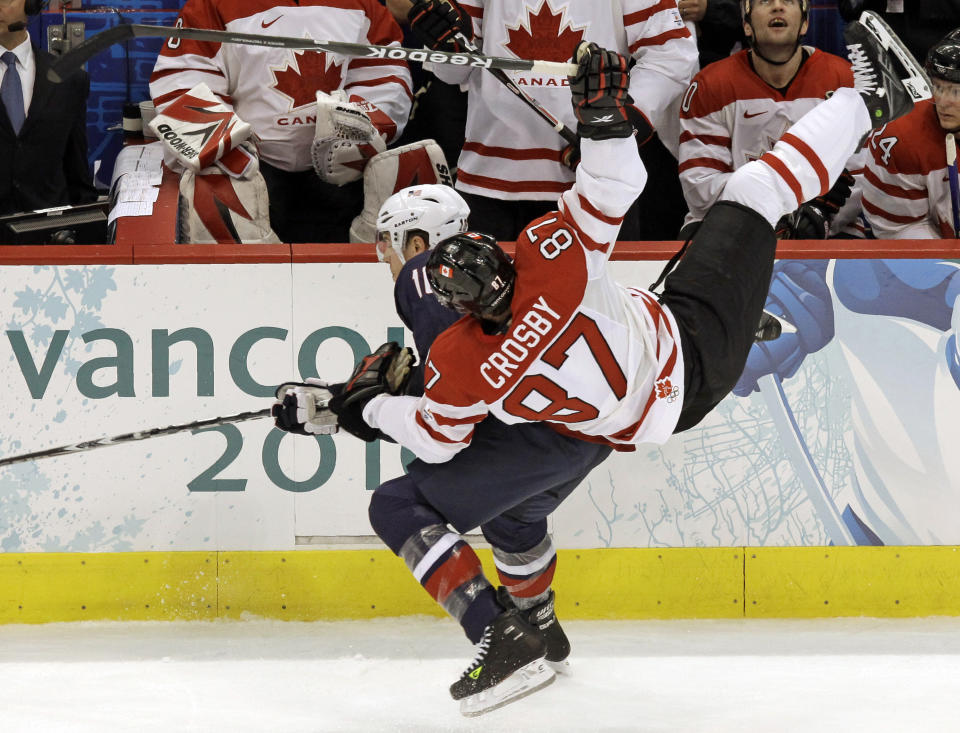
<point x="908" y="193"/>
<point x="551" y="338"/>
<point x="737" y="108"/>
<point x="554" y="338"/>
<point x="293" y="100"/>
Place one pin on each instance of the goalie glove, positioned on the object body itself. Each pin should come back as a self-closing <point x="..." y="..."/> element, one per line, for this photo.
<point x="344" y="138"/>
<point x="302" y="408"/>
<point x="385" y="371"/>
<point x="197" y="129"/>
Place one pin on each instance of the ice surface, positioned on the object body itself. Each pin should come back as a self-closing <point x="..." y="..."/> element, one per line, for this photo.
<point x="392" y="675"/>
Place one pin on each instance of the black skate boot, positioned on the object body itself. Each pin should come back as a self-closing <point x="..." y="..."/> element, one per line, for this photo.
<point x="888" y="78"/>
<point x="771" y="327"/>
<point x="543" y="617"/>
<point x="509" y="665"/>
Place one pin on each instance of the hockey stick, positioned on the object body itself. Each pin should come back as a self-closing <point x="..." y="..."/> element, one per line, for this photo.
<point x="138" y="435"/>
<point x="771" y="388"/>
<point x="954" y="182"/>
<point x="565" y="132"/>
<point x="79" y="55"/>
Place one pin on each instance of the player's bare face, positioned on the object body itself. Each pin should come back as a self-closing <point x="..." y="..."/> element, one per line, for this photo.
<point x="946" y="98"/>
<point x="776" y="24"/>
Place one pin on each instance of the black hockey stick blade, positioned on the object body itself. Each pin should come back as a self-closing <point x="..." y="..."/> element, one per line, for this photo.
<point x="130" y="437"/>
<point x="80" y="54"/>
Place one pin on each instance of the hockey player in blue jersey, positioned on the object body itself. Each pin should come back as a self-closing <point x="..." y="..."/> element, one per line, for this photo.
<point x="508" y="482"/>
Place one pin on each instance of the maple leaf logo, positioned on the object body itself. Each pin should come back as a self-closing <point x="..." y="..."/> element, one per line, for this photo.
<point x="544" y="35"/>
<point x="666" y="390"/>
<point x="309" y="72"/>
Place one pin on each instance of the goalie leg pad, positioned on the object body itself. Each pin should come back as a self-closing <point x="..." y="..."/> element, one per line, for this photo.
<point x="218" y="208"/>
<point x="391" y="171"/>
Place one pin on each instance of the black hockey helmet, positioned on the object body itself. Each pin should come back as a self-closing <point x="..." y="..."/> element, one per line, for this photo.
<point x="943" y="59"/>
<point x="471" y="274"/>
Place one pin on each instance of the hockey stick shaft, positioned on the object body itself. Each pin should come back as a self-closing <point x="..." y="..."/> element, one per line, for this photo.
<point x="954" y="178"/>
<point x="130" y="437"/>
<point x="80" y="54"/>
<point x="565" y="132"/>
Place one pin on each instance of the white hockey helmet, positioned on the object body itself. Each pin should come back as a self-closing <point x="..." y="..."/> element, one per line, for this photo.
<point x="433" y="208"/>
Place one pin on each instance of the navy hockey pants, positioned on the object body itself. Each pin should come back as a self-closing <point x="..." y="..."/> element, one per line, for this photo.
<point x="507" y="482"/>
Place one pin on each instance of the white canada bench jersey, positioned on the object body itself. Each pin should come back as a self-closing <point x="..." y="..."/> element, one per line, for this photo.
<point x="274" y="89"/>
<point x="730" y="116"/>
<point x="509" y="152"/>
<point x="583" y="353"/>
<point x="906" y="194"/>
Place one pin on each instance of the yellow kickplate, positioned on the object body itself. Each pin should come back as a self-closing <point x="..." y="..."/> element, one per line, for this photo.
<point x="129" y="586"/>
<point x="804" y="582"/>
<point x="635" y="583"/>
<point x="626" y="583"/>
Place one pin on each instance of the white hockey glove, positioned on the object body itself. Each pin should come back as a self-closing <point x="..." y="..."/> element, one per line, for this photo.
<point x="198" y="129"/>
<point x="420" y="162"/>
<point x="344" y="138"/>
<point x="301" y="408"/>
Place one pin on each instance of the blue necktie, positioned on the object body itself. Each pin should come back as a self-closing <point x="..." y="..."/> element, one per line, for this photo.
<point x="12" y="92"/>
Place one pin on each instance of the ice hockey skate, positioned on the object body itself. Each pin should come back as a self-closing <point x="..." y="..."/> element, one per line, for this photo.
<point x="544" y="617"/>
<point x="884" y="72"/>
<point x="509" y="665"/>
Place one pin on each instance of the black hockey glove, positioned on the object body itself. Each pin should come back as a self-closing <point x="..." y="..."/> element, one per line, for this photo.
<point x="599" y="93"/>
<point x="385" y="371"/>
<point x="809" y="221"/>
<point x="302" y="407"/>
<point x="833" y="200"/>
<point x="812" y="219"/>
<point x="439" y="23"/>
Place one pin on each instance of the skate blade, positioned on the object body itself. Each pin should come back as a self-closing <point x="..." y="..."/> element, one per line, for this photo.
<point x="917" y="83"/>
<point x="561" y="668"/>
<point x="525" y="681"/>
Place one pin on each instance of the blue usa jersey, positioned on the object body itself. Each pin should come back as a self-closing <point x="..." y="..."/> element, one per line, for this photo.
<point x="420" y="312"/>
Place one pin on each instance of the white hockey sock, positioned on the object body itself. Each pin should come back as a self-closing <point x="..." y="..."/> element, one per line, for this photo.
<point x="806" y="161"/>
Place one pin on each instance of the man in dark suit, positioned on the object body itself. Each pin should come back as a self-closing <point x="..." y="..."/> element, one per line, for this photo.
<point x="43" y="137"/>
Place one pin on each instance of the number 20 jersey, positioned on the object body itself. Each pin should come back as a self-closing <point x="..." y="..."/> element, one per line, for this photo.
<point x="582" y="352"/>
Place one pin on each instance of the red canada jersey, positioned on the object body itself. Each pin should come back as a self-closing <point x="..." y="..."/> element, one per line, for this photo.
<point x="581" y="352"/>
<point x="274" y="89"/>
<point x="906" y="192"/>
<point x="730" y="116"/>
